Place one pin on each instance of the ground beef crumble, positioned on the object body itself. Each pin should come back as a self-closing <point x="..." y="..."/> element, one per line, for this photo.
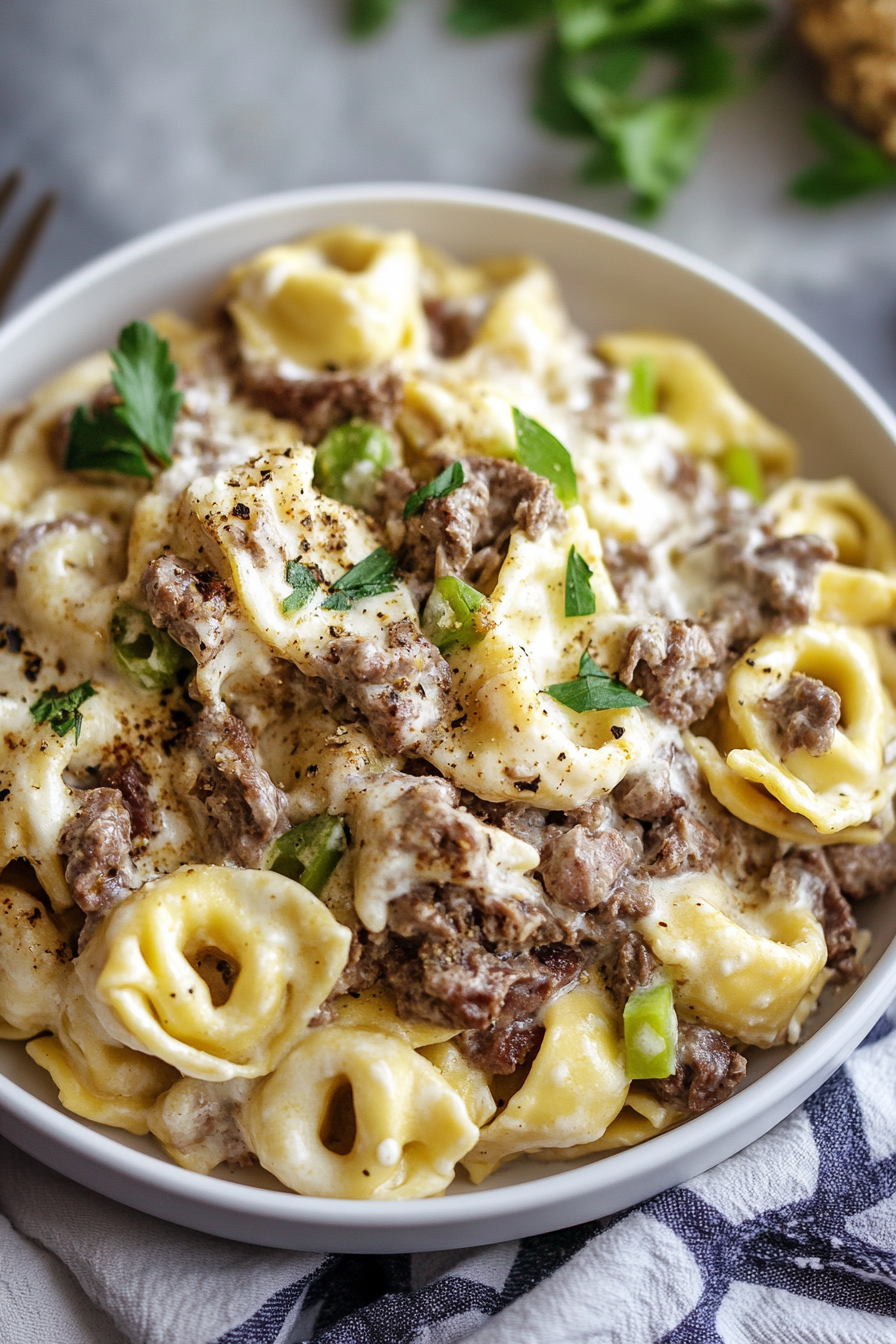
<point x="466" y="532"/>
<point x="805" y="713"/>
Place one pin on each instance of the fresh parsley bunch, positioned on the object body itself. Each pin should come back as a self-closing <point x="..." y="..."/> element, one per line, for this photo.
<point x="638" y="80"/>
<point x="641" y="80"/>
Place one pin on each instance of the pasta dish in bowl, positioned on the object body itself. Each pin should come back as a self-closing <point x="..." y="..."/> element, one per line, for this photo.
<point x="434" y="736"/>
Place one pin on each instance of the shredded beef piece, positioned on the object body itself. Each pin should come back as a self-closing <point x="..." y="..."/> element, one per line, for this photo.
<point x="683" y="843"/>
<point x="863" y="870"/>
<point x="246" y="809"/>
<point x="629" y="567"/>
<point x="97" y="841"/>
<point x="132" y="784"/>
<point x="402" y="687"/>
<point x="707" y="1070"/>
<point x="806" y="714"/>
<point x="501" y="1050"/>
<point x="634" y="966"/>
<point x="516" y="1034"/>
<point x="684" y="477"/>
<point x="781" y="573"/>
<point x="678" y="665"/>
<point x="807" y="873"/>
<point x="190" y="604"/>
<point x="452" y="326"/>
<point x="743" y="850"/>
<point x="32" y="536"/>
<point x="649" y="795"/>
<point x="466" y="532"/>
<point x="580" y="866"/>
<point x="454" y="984"/>
<point x="365" y="963"/>
<point x="319" y="404"/>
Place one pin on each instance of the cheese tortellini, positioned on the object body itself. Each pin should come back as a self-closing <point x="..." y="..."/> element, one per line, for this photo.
<point x="740" y="969"/>
<point x="555" y="757"/>
<point x="283" y="948"/>
<point x="359" y="1115"/>
<point x="575" y="1088"/>
<point x="697" y="396"/>
<point x="347" y="296"/>
<point x="842" y="786"/>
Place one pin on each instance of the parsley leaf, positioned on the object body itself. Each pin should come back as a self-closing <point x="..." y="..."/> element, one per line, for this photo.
<point x="538" y="450"/>
<point x="144" y="378"/>
<point x="119" y="438"/>
<point x="443" y="484"/>
<point x="373" y="575"/>
<point x="593" y="689"/>
<point x="303" y="581"/>
<point x="61" y="708"/>
<point x="579" y="594"/>
<point x="851" y="165"/>
<point x="366" y="17"/>
<point x="100" y="442"/>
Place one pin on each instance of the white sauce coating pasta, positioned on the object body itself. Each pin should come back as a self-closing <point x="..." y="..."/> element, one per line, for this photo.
<point x="370" y="816"/>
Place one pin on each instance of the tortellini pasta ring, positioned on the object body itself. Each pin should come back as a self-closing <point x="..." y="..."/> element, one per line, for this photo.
<point x="358" y="1115"/>
<point x="840" y="512"/>
<point x="575" y="1088"/>
<point x="34" y="965"/>
<point x="740" y="970"/>
<point x="695" y="393"/>
<point x="96" y="1076"/>
<point x="845" y="785"/>
<point x="758" y="808"/>
<point x="346" y="296"/>
<point x="286" y="952"/>
<point x="552" y="756"/>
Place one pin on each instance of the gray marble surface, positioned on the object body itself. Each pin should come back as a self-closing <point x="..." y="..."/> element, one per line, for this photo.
<point x="142" y="111"/>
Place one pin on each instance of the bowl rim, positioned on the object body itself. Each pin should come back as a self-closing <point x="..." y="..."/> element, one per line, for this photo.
<point x="805" y="1068"/>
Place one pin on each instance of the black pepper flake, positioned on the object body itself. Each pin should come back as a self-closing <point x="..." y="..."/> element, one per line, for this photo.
<point x="14" y="638"/>
<point x="617" y="731"/>
<point x="4" y="794"/>
<point x="240" y="511"/>
<point x="33" y="665"/>
<point x="528" y="785"/>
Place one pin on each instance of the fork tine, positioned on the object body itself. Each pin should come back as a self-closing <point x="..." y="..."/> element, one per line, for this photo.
<point x="23" y="245"/>
<point x="8" y="188"/>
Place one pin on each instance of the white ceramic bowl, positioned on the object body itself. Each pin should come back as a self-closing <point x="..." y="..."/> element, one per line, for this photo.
<point x="613" y="277"/>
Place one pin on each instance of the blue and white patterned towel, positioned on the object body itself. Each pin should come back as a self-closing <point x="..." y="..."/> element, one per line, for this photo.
<point x="793" y="1241"/>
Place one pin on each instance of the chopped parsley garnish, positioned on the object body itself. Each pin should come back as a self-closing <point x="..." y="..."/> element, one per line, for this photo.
<point x="373" y="575"/>
<point x="538" y="450"/>
<point x="61" y="708"/>
<point x="303" y="582"/>
<point x="593" y="689"/>
<point x="850" y="167"/>
<point x="127" y="437"/>
<point x="579" y="593"/>
<point x="442" y="485"/>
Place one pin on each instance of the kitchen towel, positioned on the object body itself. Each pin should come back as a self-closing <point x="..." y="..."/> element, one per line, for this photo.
<point x="792" y="1241"/>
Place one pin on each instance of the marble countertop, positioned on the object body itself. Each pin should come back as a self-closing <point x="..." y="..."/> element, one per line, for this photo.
<point x="142" y="112"/>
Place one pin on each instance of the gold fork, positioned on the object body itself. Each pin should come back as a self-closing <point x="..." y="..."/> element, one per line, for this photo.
<point x="14" y="260"/>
